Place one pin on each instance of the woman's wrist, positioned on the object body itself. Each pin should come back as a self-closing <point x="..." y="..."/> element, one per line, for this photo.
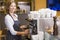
<point x="20" y="33"/>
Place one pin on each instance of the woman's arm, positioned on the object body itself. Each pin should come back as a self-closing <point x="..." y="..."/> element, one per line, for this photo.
<point x="23" y="33"/>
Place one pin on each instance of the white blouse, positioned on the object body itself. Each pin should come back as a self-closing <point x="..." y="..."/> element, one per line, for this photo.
<point x="9" y="23"/>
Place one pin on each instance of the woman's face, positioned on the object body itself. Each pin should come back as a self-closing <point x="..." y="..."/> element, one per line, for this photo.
<point x="12" y="7"/>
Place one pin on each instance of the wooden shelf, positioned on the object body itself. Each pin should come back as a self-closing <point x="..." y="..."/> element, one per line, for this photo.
<point x="23" y="0"/>
<point x="2" y="6"/>
<point x="1" y="10"/>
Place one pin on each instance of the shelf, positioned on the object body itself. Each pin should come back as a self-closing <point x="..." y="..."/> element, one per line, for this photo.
<point x="2" y="6"/>
<point x="1" y="10"/>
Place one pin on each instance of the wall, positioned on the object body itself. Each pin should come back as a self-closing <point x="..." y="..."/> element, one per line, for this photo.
<point x="58" y="13"/>
<point x="42" y="4"/>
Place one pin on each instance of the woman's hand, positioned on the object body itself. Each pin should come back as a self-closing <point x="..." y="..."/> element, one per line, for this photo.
<point x="26" y="31"/>
<point x="23" y="26"/>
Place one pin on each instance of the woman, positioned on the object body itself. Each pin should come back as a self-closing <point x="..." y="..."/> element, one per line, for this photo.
<point x="12" y="23"/>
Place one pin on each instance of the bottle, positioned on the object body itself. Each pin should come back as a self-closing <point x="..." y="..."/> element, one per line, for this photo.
<point x="55" y="27"/>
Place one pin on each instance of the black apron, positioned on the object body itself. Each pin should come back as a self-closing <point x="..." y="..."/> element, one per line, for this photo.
<point x="16" y="27"/>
